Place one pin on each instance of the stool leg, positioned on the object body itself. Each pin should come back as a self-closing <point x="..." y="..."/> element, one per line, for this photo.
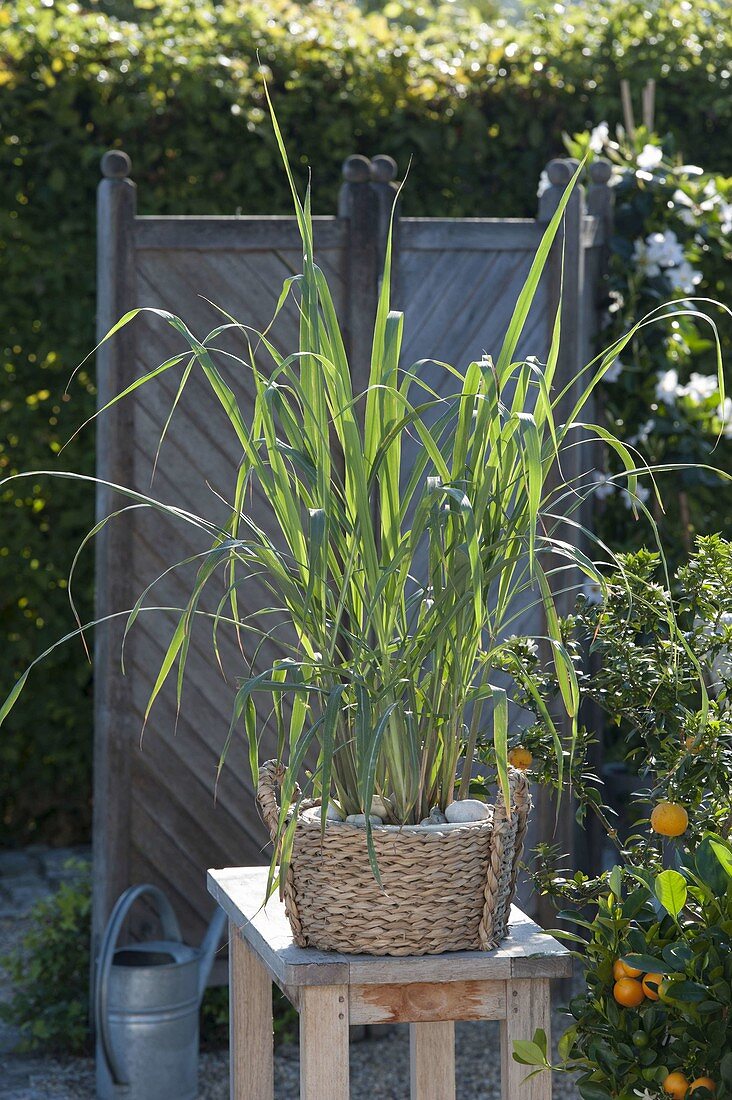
<point x="528" y="1006"/>
<point x="251" y="1035"/>
<point x="432" y="1061"/>
<point x="324" y="1042"/>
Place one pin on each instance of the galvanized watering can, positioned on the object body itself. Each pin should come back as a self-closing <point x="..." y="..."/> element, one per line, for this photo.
<point x="146" y="1002"/>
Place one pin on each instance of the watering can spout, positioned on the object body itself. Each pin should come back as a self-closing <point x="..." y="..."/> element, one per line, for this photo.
<point x="208" y="949"/>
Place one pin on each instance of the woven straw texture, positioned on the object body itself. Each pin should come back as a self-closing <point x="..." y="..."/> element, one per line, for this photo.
<point x="443" y="890"/>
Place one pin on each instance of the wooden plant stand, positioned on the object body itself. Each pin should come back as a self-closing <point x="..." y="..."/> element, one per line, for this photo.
<point x="331" y="991"/>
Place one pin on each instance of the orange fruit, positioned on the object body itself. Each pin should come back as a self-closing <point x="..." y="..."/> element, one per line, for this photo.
<point x="676" y="1085"/>
<point x="520" y="758"/>
<point x="628" y="992"/>
<point x="693" y="745"/>
<point x="702" y="1083"/>
<point x="619" y="971"/>
<point x="622" y="970"/>
<point x="650" y="992"/>
<point x="669" y="819"/>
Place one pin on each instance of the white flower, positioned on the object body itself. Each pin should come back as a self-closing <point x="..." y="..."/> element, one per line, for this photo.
<point x="646" y="1094"/>
<point x="725" y="216"/>
<point x="599" y="137"/>
<point x="643" y="434"/>
<point x="631" y="499"/>
<point x="687" y="211"/>
<point x="649" y="158"/>
<point x="614" y="371"/>
<point x="699" y="388"/>
<point x="684" y="277"/>
<point x="605" y="487"/>
<point x="544" y="184"/>
<point x="665" y="248"/>
<point x="667" y="387"/>
<point x="642" y="260"/>
<point x="659" y="250"/>
<point x="724" y="412"/>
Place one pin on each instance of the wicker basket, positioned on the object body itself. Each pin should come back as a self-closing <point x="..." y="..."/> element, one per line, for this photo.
<point x="445" y="887"/>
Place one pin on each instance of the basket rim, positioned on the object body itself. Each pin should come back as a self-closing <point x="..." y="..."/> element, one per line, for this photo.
<point x="446" y="827"/>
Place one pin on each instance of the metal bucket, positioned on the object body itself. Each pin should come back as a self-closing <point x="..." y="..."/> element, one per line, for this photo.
<point x="146" y="1003"/>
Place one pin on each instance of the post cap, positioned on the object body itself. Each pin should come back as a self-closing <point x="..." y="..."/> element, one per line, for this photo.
<point x="383" y="168"/>
<point x="116" y="165"/>
<point x="600" y="171"/>
<point x="560" y="172"/>
<point x="357" y="169"/>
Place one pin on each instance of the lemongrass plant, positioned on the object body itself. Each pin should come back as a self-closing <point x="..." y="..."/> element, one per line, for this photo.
<point x="390" y="674"/>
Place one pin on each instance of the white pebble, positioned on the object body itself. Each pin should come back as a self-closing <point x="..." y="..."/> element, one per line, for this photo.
<point x="467" y="809"/>
<point x="360" y="819"/>
<point x="379" y="807"/>
<point x="313" y="813"/>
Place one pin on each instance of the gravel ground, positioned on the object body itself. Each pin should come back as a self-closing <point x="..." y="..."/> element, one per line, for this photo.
<point x="379" y="1071"/>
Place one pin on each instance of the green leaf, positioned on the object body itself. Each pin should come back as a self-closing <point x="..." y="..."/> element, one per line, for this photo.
<point x="647" y="963"/>
<point x="723" y="853"/>
<point x="670" y="889"/>
<point x="685" y="991"/>
<point x="713" y="871"/>
<point x="615" y="881"/>
<point x="528" y="1053"/>
<point x="589" y="1090"/>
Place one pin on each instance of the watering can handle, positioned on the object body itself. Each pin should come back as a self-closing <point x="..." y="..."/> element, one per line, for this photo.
<point x="171" y="931"/>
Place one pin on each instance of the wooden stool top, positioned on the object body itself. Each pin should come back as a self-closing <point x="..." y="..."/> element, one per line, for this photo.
<point x="526" y="953"/>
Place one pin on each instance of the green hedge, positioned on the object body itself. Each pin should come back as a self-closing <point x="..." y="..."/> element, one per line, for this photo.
<point x="479" y="109"/>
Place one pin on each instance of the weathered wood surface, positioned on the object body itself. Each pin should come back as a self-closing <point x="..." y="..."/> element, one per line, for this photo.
<point x="331" y="991"/>
<point x="427" y="1002"/>
<point x="527" y="952"/>
<point x="324" y="1042"/>
<point x="231" y="234"/>
<point x="114" y="731"/>
<point x="250" y="1024"/>
<point x="432" y="1061"/>
<point x="528" y="1008"/>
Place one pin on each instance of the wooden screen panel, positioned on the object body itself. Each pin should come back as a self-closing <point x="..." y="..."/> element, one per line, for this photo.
<point x="176" y="828"/>
<point x="458" y="293"/>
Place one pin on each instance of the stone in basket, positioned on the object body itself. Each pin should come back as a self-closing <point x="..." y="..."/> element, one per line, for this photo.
<point x="444" y="887"/>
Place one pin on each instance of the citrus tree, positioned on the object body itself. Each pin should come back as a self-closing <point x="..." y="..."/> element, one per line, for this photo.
<point x="654" y="933"/>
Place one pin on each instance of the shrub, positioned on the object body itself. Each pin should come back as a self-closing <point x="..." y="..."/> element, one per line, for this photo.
<point x="49" y="972"/>
<point x="481" y="108"/>
<point x="666" y="909"/>
<point x="673" y="237"/>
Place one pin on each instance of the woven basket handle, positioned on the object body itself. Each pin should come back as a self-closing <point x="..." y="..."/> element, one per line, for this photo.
<point x="271" y="774"/>
<point x="521" y="804"/>
<point x="503" y="866"/>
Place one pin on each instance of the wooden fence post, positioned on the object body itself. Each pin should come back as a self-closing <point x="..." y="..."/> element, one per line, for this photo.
<point x="113" y="733"/>
<point x="600" y="202"/>
<point x="600" y="196"/>
<point x="383" y="176"/>
<point x="566" y="269"/>
<point x="366" y="200"/>
<point x="358" y="203"/>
